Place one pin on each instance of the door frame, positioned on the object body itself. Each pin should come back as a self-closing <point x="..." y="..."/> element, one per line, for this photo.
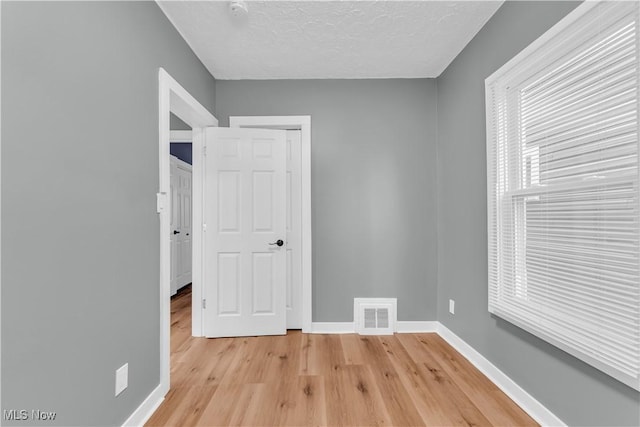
<point x="173" y="98"/>
<point x="302" y="123"/>
<point x="179" y="136"/>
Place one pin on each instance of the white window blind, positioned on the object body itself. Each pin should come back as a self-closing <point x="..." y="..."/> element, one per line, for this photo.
<point x="563" y="196"/>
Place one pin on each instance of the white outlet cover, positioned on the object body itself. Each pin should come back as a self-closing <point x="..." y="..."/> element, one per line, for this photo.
<point x="122" y="378"/>
<point x="452" y="306"/>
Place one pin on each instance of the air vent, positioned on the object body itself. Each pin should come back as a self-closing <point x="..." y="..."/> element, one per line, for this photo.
<point x="374" y="316"/>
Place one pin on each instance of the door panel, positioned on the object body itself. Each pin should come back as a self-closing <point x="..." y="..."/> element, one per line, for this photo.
<point x="263" y="283"/>
<point x="229" y="202"/>
<point x="245" y="213"/>
<point x="229" y="284"/>
<point x="262" y="207"/>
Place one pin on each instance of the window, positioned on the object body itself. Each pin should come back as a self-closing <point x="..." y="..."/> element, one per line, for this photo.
<point x="563" y="195"/>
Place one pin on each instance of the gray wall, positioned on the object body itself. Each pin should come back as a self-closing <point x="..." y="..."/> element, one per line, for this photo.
<point x="80" y="237"/>
<point x="577" y="393"/>
<point x="177" y="124"/>
<point x="373" y="178"/>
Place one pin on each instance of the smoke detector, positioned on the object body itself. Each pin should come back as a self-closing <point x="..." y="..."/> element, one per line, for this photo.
<point x="238" y="8"/>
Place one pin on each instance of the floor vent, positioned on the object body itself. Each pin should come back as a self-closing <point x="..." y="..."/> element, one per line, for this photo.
<point x="374" y="316"/>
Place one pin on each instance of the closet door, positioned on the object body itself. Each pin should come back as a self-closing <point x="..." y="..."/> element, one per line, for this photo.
<point x="183" y="182"/>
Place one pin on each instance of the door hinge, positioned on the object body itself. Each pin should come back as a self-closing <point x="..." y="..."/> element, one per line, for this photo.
<point x="204" y="150"/>
<point x="204" y="227"/>
<point x="204" y="303"/>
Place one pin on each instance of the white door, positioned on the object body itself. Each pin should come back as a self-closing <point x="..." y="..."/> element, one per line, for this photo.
<point x="181" y="180"/>
<point x="183" y="184"/>
<point x="245" y="229"/>
<point x="294" y="230"/>
<point x="173" y="221"/>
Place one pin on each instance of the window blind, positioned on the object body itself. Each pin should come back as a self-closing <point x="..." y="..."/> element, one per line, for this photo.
<point x="563" y="195"/>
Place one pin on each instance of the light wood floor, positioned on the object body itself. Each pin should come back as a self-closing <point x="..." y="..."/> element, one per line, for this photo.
<point x="325" y="380"/>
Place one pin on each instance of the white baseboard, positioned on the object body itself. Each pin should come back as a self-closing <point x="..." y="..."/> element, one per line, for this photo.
<point x="528" y="403"/>
<point x="349" y="327"/>
<point x="142" y="414"/>
<point x="404" y="326"/>
<point x="333" y="328"/>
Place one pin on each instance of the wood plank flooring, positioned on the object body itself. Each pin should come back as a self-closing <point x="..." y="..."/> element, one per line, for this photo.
<point x="325" y="380"/>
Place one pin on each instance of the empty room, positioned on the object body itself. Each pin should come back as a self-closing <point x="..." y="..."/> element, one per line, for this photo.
<point x="320" y="213"/>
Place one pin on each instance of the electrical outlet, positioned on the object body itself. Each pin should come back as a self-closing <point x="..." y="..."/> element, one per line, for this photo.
<point x="452" y="306"/>
<point x="122" y="378"/>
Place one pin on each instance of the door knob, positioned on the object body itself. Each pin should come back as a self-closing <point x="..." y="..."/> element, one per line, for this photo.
<point x="176" y="232"/>
<point x="278" y="242"/>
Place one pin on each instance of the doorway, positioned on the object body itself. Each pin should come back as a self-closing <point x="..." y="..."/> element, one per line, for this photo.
<point x="174" y="99"/>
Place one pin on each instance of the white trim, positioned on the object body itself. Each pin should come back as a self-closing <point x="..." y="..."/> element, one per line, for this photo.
<point x="180" y="136"/>
<point x="544" y="39"/>
<point x="332" y="328"/>
<point x="173" y="98"/>
<point x="528" y="403"/>
<point x="416" y="326"/>
<point x="143" y="412"/>
<point x="402" y="327"/>
<point x="304" y="124"/>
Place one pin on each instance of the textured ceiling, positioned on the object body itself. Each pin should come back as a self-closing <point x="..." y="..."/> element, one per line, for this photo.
<point x="328" y="39"/>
